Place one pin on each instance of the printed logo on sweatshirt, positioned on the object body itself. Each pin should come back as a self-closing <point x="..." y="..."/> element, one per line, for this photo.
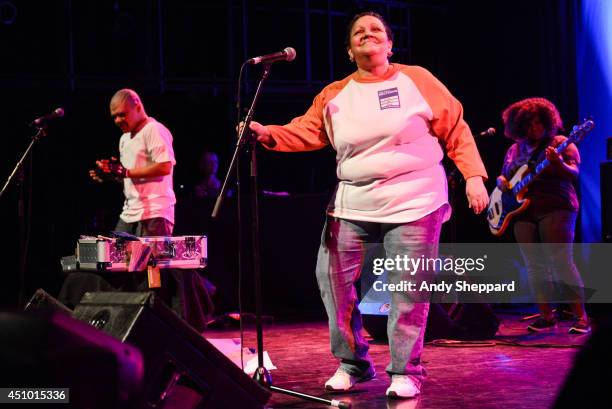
<point x="389" y="98"/>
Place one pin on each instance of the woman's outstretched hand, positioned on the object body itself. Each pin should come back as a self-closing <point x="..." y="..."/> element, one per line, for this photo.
<point x="477" y="196"/>
<point x="261" y="132"/>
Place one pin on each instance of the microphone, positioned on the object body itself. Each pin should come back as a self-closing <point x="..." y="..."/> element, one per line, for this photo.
<point x="288" y="54"/>
<point x="488" y="132"/>
<point x="42" y="121"/>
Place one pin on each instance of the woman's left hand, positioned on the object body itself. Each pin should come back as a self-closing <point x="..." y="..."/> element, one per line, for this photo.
<point x="477" y="196"/>
<point x="553" y="156"/>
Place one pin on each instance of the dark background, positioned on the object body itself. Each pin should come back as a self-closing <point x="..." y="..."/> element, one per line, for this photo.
<point x="183" y="57"/>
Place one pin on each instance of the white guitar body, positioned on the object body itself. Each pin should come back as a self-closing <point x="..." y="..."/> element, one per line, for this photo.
<point x="503" y="206"/>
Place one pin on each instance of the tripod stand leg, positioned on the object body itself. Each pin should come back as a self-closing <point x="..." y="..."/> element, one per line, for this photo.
<point x="532" y="316"/>
<point x="335" y="403"/>
<point x="263" y="377"/>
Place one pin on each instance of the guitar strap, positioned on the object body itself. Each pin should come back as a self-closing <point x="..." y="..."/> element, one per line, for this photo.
<point x="533" y="159"/>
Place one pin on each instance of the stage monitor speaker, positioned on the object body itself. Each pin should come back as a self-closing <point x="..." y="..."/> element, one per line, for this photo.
<point x="175" y="354"/>
<point x="444" y="321"/>
<point x="459" y="321"/>
<point x="606" y="201"/>
<point x="43" y="349"/>
<point x="42" y="301"/>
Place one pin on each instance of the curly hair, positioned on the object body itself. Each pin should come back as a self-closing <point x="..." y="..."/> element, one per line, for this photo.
<point x="519" y="116"/>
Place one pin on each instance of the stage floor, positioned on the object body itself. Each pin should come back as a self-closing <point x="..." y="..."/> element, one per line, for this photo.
<point x="517" y="371"/>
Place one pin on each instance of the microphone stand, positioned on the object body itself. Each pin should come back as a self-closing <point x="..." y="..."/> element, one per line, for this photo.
<point x="454" y="179"/>
<point x="42" y="131"/>
<point x="24" y="230"/>
<point x="262" y="375"/>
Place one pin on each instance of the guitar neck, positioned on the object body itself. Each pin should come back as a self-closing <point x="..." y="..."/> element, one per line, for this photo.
<point x="575" y="136"/>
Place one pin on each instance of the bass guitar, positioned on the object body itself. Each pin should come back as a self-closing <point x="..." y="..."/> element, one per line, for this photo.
<point x="504" y="205"/>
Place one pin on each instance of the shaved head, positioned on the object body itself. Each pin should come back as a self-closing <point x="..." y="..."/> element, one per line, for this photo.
<point x="125" y="95"/>
<point x="127" y="110"/>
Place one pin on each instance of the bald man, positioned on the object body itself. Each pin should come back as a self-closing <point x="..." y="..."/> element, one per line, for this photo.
<point x="145" y="166"/>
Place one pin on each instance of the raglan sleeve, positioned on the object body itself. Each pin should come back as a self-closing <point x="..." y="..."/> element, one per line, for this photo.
<point x="447" y="123"/>
<point x="304" y="133"/>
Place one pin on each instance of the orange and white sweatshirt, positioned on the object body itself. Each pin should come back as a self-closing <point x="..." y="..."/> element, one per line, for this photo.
<point x="386" y="133"/>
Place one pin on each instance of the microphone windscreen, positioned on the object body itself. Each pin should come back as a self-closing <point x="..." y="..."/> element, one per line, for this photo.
<point x="290" y="51"/>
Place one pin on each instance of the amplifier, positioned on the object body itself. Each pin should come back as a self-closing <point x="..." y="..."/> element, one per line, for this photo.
<point x="118" y="254"/>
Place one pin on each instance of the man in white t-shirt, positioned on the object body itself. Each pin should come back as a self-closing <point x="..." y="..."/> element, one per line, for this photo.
<point x="145" y="167"/>
<point x="146" y="161"/>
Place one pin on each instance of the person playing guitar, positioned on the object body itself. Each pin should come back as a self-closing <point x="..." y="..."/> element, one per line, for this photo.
<point x="533" y="124"/>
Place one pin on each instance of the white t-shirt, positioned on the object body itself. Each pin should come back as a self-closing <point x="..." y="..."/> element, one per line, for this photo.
<point x="387" y="133"/>
<point x="147" y="198"/>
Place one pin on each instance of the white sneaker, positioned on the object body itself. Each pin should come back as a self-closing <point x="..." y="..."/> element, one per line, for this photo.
<point x="342" y="381"/>
<point x="402" y="387"/>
